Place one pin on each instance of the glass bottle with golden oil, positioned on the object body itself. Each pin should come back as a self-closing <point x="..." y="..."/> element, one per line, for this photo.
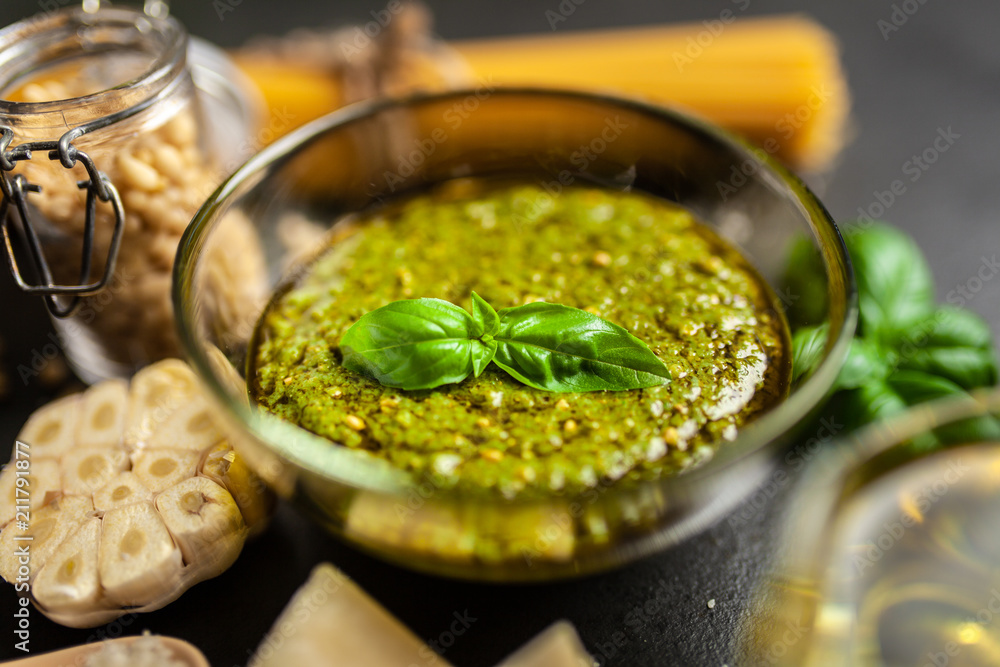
<point x="893" y="555"/>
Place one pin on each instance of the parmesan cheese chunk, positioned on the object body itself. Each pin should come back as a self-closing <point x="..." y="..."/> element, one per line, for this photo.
<point x="331" y="622"/>
<point x="558" y="646"/>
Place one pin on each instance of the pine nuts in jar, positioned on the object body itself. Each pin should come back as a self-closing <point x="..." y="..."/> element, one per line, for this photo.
<point x="114" y="85"/>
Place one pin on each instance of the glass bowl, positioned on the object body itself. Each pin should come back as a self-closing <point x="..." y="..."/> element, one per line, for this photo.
<point x="288" y="196"/>
<point x="891" y="554"/>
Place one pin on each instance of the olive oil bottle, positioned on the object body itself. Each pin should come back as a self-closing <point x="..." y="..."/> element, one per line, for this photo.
<point x="893" y="559"/>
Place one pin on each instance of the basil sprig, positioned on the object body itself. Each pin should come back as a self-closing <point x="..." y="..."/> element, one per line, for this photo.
<point x="906" y="350"/>
<point x="425" y="343"/>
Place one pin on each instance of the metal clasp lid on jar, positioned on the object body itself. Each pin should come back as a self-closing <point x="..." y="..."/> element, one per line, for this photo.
<point x="14" y="190"/>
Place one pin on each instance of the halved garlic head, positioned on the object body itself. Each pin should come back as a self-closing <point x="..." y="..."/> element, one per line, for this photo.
<point x="127" y="495"/>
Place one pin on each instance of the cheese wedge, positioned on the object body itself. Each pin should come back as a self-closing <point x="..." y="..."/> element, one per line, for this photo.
<point x="331" y="621"/>
<point x="557" y="646"/>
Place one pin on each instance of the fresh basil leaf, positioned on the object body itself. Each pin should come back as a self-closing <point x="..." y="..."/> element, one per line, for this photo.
<point x="484" y="315"/>
<point x="917" y="387"/>
<point x="953" y="343"/>
<point x="895" y="285"/>
<point x="482" y="354"/>
<point x="905" y="351"/>
<point x="415" y="344"/>
<point x="881" y="400"/>
<point x="865" y="363"/>
<point x="847" y="407"/>
<point x="957" y="327"/>
<point x="984" y="428"/>
<point x="903" y="390"/>
<point x="804" y="284"/>
<point x="875" y="400"/>
<point x="967" y="367"/>
<point x="808" y="346"/>
<point x="557" y="348"/>
<point x="486" y="318"/>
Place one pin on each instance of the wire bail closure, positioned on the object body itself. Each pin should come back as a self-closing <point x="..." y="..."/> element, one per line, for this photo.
<point x="15" y="189"/>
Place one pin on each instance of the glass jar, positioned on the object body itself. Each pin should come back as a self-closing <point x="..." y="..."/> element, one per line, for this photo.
<point x="107" y="152"/>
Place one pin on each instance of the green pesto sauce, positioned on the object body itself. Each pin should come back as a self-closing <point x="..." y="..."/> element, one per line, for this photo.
<point x="637" y="261"/>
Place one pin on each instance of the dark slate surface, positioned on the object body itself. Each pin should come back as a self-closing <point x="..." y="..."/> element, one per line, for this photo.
<point x="938" y="71"/>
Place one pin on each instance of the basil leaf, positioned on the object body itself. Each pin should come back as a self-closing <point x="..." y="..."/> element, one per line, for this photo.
<point x="957" y="327"/>
<point x="875" y="400"/>
<point x="557" y="348"/>
<point x="955" y="344"/>
<point x="903" y="390"/>
<point x="415" y="344"/>
<point x="984" y="428"/>
<point x="895" y="285"/>
<point x="916" y="387"/>
<point x="905" y="351"/>
<point x="804" y="284"/>
<point x="865" y="363"/>
<point x="489" y="322"/>
<point x="484" y="315"/>
<point x="808" y="346"/>
<point x="482" y="354"/>
<point x="881" y="400"/>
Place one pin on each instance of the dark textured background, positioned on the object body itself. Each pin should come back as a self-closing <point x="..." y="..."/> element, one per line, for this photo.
<point x="939" y="70"/>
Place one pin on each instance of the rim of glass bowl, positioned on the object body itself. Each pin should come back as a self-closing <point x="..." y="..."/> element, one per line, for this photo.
<point x="756" y="440"/>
